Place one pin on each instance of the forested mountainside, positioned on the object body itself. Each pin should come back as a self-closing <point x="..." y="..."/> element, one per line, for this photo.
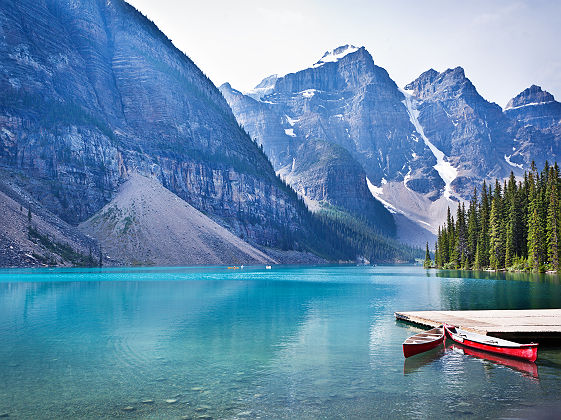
<point x="514" y="225"/>
<point x="92" y="93"/>
<point x="423" y="147"/>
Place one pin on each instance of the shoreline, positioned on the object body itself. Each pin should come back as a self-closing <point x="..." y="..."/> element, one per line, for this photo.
<point x="489" y="270"/>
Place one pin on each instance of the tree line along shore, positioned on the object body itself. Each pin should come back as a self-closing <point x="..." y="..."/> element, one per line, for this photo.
<point x="514" y="226"/>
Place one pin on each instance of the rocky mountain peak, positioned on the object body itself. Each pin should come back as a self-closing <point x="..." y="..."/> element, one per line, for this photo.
<point x="107" y="93"/>
<point x="534" y="95"/>
<point x="448" y="84"/>
<point x="457" y="72"/>
<point x="455" y="77"/>
<point x="421" y="82"/>
<point x="537" y="108"/>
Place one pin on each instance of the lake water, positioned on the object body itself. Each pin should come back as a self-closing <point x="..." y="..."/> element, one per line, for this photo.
<point x="292" y="342"/>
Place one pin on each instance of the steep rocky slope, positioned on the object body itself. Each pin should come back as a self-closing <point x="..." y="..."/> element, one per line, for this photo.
<point x="536" y="107"/>
<point x="32" y="236"/>
<point x="146" y="224"/>
<point x="353" y="107"/>
<point x="92" y="91"/>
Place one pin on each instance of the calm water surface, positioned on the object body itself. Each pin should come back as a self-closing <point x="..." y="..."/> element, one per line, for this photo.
<point x="292" y="342"/>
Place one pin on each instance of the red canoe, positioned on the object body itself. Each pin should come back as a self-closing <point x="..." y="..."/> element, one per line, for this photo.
<point x="492" y="344"/>
<point x="423" y="341"/>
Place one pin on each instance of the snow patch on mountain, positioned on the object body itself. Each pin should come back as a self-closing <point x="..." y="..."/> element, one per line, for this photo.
<point x="444" y="168"/>
<point x="406" y="178"/>
<point x="335" y="55"/>
<point x="530" y="104"/>
<point x="289" y="132"/>
<point x="291" y="121"/>
<point x="515" y="165"/>
<point x="267" y="85"/>
<point x="308" y="93"/>
<point x="377" y="193"/>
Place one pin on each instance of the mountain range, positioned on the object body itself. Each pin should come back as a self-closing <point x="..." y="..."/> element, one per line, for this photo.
<point x="96" y="105"/>
<point x="115" y="148"/>
<point x="421" y="148"/>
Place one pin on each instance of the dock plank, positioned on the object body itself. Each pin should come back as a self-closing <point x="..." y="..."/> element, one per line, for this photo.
<point x="532" y="324"/>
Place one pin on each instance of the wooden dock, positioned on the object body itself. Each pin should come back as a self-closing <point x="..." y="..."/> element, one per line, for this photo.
<point x="539" y="325"/>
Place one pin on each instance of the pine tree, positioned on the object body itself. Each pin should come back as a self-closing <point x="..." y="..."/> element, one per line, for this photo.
<point x="553" y="218"/>
<point x="428" y="261"/>
<point x="445" y="246"/>
<point x="496" y="251"/>
<point x="524" y="200"/>
<point x="482" y="260"/>
<point x="535" y="236"/>
<point x="451" y="231"/>
<point x="477" y="265"/>
<point x="535" y="226"/>
<point x="461" y="238"/>
<point x="438" y="249"/>
<point x="515" y="222"/>
<point x="472" y="231"/>
<point x="511" y="220"/>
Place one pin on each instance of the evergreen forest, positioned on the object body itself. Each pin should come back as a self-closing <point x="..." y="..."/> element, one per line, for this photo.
<point x="514" y="226"/>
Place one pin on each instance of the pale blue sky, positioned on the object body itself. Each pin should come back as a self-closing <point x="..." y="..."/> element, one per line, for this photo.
<point x="504" y="46"/>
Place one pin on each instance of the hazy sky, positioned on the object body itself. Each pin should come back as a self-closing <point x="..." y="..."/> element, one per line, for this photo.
<point x="504" y="46"/>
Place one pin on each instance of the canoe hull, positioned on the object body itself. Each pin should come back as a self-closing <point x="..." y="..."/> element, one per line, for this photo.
<point x="522" y="351"/>
<point x="424" y="341"/>
<point x="413" y="349"/>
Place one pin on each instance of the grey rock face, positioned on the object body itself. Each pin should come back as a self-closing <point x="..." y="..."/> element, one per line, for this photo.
<point x="472" y="132"/>
<point x="45" y="239"/>
<point x="92" y="91"/>
<point x="537" y="127"/>
<point x="535" y="107"/>
<point x="146" y="224"/>
<point x="534" y="95"/>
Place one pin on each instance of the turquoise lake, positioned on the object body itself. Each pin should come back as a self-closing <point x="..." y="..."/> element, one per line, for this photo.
<point x="291" y="342"/>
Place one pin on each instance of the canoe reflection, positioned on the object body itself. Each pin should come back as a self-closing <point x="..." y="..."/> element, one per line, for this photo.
<point x="525" y="367"/>
<point x="413" y="364"/>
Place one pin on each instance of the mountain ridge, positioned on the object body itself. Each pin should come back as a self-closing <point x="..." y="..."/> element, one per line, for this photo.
<point x="442" y="137"/>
